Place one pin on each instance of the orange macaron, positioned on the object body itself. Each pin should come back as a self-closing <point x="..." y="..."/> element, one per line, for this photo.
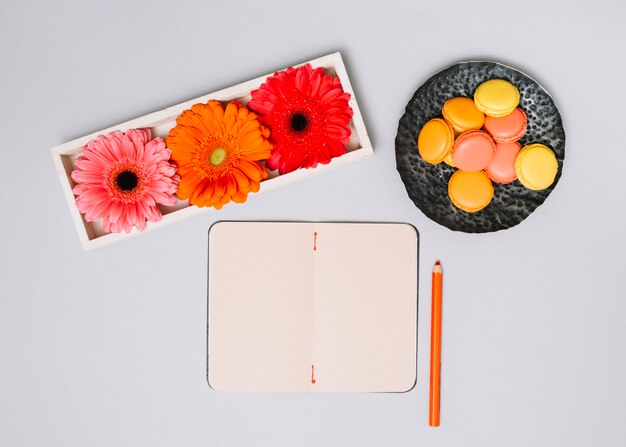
<point x="462" y="114"/>
<point x="508" y="128"/>
<point x="473" y="150"/>
<point x="435" y="140"/>
<point x="470" y="191"/>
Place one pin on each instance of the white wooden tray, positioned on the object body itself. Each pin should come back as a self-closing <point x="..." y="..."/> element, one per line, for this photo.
<point x="92" y="235"/>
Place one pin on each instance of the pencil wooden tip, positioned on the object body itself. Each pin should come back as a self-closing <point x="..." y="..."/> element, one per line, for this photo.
<point x="437" y="267"/>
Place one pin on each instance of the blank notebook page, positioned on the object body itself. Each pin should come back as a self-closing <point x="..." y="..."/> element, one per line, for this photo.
<point x="312" y="307"/>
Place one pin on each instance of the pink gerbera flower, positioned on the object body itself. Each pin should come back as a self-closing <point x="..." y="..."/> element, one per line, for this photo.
<point x="308" y="114"/>
<point x="121" y="177"/>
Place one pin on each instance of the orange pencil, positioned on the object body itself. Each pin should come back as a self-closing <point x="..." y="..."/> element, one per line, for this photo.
<point x="435" y="347"/>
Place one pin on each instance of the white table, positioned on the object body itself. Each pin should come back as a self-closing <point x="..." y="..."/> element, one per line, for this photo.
<point x="108" y="347"/>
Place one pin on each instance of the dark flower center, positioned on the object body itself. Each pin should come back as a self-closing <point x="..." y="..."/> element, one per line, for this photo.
<point x="127" y="180"/>
<point x="299" y="122"/>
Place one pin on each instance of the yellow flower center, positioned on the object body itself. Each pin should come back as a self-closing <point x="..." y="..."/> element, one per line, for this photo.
<point x="217" y="156"/>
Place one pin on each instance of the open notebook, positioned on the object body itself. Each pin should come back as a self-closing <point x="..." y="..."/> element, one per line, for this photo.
<point x="296" y="306"/>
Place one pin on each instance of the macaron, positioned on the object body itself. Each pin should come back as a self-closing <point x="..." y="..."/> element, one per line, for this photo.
<point x="473" y="150"/>
<point x="502" y="166"/>
<point x="496" y="97"/>
<point x="462" y="114"/>
<point x="470" y="191"/>
<point x="448" y="160"/>
<point x="435" y="140"/>
<point x="508" y="128"/>
<point x="536" y="166"/>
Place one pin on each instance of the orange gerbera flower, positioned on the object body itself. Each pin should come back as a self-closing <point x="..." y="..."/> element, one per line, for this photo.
<point x="216" y="151"/>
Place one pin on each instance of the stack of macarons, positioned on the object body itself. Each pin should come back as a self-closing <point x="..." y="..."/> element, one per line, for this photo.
<point x="480" y="137"/>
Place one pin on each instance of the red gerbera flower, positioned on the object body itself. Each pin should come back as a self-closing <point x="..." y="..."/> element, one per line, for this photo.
<point x="308" y="115"/>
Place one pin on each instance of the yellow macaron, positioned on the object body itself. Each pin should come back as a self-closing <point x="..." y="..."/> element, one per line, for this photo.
<point x="470" y="191"/>
<point x="435" y="140"/>
<point x="496" y="97"/>
<point x="536" y="166"/>
<point x="462" y="114"/>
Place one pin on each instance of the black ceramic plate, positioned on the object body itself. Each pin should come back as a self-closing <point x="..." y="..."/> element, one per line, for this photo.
<point x="427" y="185"/>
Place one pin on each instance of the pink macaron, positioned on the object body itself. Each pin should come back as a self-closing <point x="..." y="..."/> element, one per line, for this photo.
<point x="502" y="166"/>
<point x="473" y="150"/>
<point x="508" y="128"/>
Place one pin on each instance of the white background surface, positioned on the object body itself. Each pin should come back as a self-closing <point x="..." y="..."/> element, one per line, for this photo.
<point x="108" y="347"/>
